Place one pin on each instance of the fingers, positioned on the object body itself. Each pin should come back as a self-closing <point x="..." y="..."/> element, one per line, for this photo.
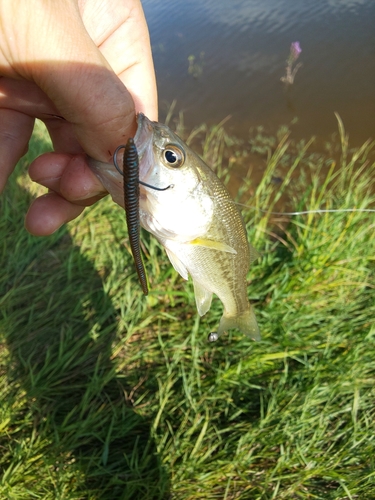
<point x="69" y="176"/>
<point x="62" y="135"/>
<point x="48" y="213"/>
<point x="73" y="186"/>
<point x="52" y="48"/>
<point x="27" y="98"/>
<point x="101" y="119"/>
<point x="15" y="132"/>
<point x="55" y="51"/>
<point x="123" y="39"/>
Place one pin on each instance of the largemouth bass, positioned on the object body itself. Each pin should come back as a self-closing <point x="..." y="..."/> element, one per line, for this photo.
<point x="195" y="220"/>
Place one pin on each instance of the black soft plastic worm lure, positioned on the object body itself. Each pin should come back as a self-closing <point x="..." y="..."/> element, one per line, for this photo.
<point x="131" y="197"/>
<point x="130" y="172"/>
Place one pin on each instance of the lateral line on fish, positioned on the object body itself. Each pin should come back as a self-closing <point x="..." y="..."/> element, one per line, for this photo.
<point x="131" y="202"/>
<point x="314" y="211"/>
<point x="302" y="212"/>
<point x="305" y="212"/>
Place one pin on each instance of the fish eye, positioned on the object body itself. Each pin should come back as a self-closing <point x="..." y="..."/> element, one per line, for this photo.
<point x="173" y="156"/>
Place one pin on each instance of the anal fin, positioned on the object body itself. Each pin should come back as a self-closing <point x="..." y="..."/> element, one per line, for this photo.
<point x="203" y="298"/>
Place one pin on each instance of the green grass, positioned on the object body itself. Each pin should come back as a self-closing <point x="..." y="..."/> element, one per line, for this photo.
<point x="106" y="394"/>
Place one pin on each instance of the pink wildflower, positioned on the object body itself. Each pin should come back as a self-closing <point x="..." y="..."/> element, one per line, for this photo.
<point x="295" y="50"/>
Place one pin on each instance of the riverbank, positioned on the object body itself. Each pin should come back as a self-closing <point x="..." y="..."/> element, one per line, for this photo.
<point x="107" y="394"/>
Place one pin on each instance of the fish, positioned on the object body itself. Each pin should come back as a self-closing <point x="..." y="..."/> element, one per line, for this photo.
<point x="187" y="208"/>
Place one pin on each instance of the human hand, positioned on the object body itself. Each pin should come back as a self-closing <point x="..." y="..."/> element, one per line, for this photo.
<point x="82" y="67"/>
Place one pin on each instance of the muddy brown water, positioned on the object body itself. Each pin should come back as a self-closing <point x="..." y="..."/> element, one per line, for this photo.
<point x="226" y="57"/>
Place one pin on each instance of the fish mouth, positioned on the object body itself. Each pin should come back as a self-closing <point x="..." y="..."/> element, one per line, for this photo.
<point x="144" y="143"/>
<point x="144" y="134"/>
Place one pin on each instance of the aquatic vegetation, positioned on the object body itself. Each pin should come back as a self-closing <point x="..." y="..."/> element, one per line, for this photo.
<point x="196" y="65"/>
<point x="108" y="394"/>
<point x="290" y="71"/>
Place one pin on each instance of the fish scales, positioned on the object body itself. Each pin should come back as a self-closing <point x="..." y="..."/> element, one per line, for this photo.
<point x="228" y="281"/>
<point x="194" y="219"/>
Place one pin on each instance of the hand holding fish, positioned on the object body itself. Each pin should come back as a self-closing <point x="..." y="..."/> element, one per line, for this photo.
<point x="82" y="67"/>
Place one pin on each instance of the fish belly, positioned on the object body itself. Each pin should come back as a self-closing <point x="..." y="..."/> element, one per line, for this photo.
<point x="221" y="273"/>
<point x="216" y="271"/>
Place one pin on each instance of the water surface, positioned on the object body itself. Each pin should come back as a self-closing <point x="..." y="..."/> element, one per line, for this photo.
<point x="240" y="48"/>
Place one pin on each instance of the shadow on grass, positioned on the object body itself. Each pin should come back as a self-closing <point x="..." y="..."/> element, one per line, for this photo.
<point x="59" y="326"/>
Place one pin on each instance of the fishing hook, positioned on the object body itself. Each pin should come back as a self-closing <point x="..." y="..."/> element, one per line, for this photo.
<point x="140" y="182"/>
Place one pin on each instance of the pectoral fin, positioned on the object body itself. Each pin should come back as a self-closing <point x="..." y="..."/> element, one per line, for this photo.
<point x="215" y="245"/>
<point x="203" y="298"/>
<point x="177" y="264"/>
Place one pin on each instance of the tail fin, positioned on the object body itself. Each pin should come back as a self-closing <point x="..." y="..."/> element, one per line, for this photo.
<point x="246" y="322"/>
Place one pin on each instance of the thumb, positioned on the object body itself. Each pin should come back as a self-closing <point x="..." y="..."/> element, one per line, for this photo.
<point x="70" y="69"/>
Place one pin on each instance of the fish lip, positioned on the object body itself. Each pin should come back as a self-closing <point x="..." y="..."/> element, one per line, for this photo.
<point x="143" y="139"/>
<point x="143" y="135"/>
<point x="139" y="118"/>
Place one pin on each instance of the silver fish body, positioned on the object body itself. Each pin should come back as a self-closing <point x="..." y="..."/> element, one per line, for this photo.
<point x="194" y="219"/>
